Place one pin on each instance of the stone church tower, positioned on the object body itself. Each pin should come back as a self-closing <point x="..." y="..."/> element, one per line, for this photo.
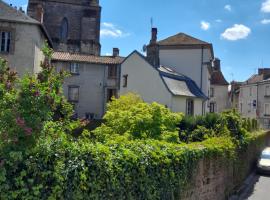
<point x="73" y="25"/>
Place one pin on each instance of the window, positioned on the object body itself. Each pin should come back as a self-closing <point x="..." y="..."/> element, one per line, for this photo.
<point x="241" y="107"/>
<point x="112" y="71"/>
<point x="64" y="30"/>
<point x="125" y="79"/>
<point x="267" y="109"/>
<point x="73" y="93"/>
<point x="5" y="41"/>
<point x="212" y="107"/>
<point x="267" y="90"/>
<point x="190" y="107"/>
<point x="211" y="92"/>
<point x="111" y="93"/>
<point x="250" y="91"/>
<point x="74" y="68"/>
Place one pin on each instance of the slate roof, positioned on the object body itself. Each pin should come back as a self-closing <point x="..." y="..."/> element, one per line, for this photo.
<point x="182" y="39"/>
<point x="217" y="78"/>
<point x="78" y="57"/>
<point x="180" y="85"/>
<point x="8" y="13"/>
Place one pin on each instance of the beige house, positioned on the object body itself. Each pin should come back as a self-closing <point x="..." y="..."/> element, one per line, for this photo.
<point x="21" y="40"/>
<point x="254" y="97"/>
<point x="185" y="55"/>
<point x="219" y="99"/>
<point x="93" y="82"/>
<point x="160" y="84"/>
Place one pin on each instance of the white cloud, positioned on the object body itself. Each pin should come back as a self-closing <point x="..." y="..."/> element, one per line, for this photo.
<point x="110" y="30"/>
<point x="228" y="7"/>
<point x="218" y="20"/>
<point x="237" y="32"/>
<point x="205" y="25"/>
<point x="266" y="6"/>
<point x="265" y="21"/>
<point x="108" y="54"/>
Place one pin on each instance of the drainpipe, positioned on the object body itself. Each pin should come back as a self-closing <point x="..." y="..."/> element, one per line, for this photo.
<point x="104" y="90"/>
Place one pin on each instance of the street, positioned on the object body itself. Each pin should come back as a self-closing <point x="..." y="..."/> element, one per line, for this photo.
<point x="258" y="188"/>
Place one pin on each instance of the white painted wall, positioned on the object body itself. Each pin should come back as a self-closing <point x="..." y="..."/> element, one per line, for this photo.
<point x="188" y="62"/>
<point x="91" y="80"/>
<point x="221" y="98"/>
<point x="248" y="93"/>
<point x="144" y="80"/>
<point x="27" y="53"/>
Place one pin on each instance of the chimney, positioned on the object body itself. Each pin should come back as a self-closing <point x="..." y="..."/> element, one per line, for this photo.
<point x="115" y="52"/>
<point x="154" y="36"/>
<point x="265" y="72"/>
<point x="216" y="64"/>
<point x="39" y="12"/>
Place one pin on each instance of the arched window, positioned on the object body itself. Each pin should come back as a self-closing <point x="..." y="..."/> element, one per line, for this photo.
<point x="64" y="30"/>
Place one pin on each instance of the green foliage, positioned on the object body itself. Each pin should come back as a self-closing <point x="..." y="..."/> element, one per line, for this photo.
<point x="27" y="104"/>
<point x="132" y="117"/>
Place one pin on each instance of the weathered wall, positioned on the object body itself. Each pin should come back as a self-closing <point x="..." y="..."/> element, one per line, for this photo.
<point x="217" y="178"/>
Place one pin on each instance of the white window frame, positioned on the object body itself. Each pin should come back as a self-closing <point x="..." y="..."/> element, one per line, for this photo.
<point x="212" y="105"/>
<point x="5" y="41"/>
<point x="190" y="107"/>
<point x="73" y="97"/>
<point x="74" y="68"/>
<point x="212" y="92"/>
<point x="267" y="90"/>
<point x="267" y="111"/>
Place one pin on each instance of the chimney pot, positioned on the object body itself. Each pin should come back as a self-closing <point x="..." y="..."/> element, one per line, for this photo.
<point x="115" y="52"/>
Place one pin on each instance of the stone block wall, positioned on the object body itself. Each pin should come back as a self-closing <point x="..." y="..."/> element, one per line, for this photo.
<point x="216" y="178"/>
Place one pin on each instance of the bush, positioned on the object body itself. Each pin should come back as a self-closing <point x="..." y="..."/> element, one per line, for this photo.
<point x="132" y="117"/>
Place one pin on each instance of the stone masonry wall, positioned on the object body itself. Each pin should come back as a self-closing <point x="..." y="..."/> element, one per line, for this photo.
<point x="217" y="178"/>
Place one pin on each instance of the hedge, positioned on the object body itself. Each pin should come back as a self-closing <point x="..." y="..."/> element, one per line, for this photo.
<point x="137" y="169"/>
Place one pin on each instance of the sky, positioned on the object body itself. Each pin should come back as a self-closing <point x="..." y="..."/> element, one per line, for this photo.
<point x="238" y="29"/>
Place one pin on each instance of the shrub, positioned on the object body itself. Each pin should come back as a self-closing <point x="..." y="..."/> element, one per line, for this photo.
<point x="132" y="117"/>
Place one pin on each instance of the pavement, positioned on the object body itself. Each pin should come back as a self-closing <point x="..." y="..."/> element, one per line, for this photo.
<point x="256" y="187"/>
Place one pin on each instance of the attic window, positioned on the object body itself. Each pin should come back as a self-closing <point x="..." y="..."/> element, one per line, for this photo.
<point x="5" y="41"/>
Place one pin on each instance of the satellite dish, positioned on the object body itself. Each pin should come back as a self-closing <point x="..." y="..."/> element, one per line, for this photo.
<point x="144" y="48"/>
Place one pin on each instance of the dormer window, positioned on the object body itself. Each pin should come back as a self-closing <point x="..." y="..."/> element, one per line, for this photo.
<point x="5" y="37"/>
<point x="74" y="68"/>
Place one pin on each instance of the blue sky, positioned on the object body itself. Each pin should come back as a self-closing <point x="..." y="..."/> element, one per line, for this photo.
<point x="238" y="29"/>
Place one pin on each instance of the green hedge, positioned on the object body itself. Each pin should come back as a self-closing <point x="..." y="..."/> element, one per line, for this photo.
<point x="138" y="169"/>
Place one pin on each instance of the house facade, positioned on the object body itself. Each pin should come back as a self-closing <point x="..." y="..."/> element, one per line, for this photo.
<point x="160" y="84"/>
<point x="219" y="99"/>
<point x="74" y="27"/>
<point x="21" y="40"/>
<point x="93" y="82"/>
<point x="185" y="55"/>
<point x="254" y="97"/>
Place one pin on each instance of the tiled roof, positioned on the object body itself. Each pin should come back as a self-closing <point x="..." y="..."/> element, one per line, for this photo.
<point x="9" y="13"/>
<point x="255" y="78"/>
<point x="217" y="78"/>
<point x="179" y="84"/>
<point x="182" y="39"/>
<point x="77" y="57"/>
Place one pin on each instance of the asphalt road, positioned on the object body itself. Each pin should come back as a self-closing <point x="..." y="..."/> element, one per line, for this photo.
<point x="258" y="188"/>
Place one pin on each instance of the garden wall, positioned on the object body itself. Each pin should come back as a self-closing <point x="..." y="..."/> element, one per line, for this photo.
<point x="218" y="178"/>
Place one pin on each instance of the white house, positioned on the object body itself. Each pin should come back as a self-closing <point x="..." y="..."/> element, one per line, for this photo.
<point x="254" y="97"/>
<point x="21" y="40"/>
<point x="160" y="84"/>
<point x="219" y="99"/>
<point x="186" y="55"/>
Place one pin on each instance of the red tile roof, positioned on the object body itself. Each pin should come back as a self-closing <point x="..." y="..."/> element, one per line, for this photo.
<point x="182" y="39"/>
<point x="77" y="57"/>
<point x="255" y="78"/>
<point x="217" y="78"/>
